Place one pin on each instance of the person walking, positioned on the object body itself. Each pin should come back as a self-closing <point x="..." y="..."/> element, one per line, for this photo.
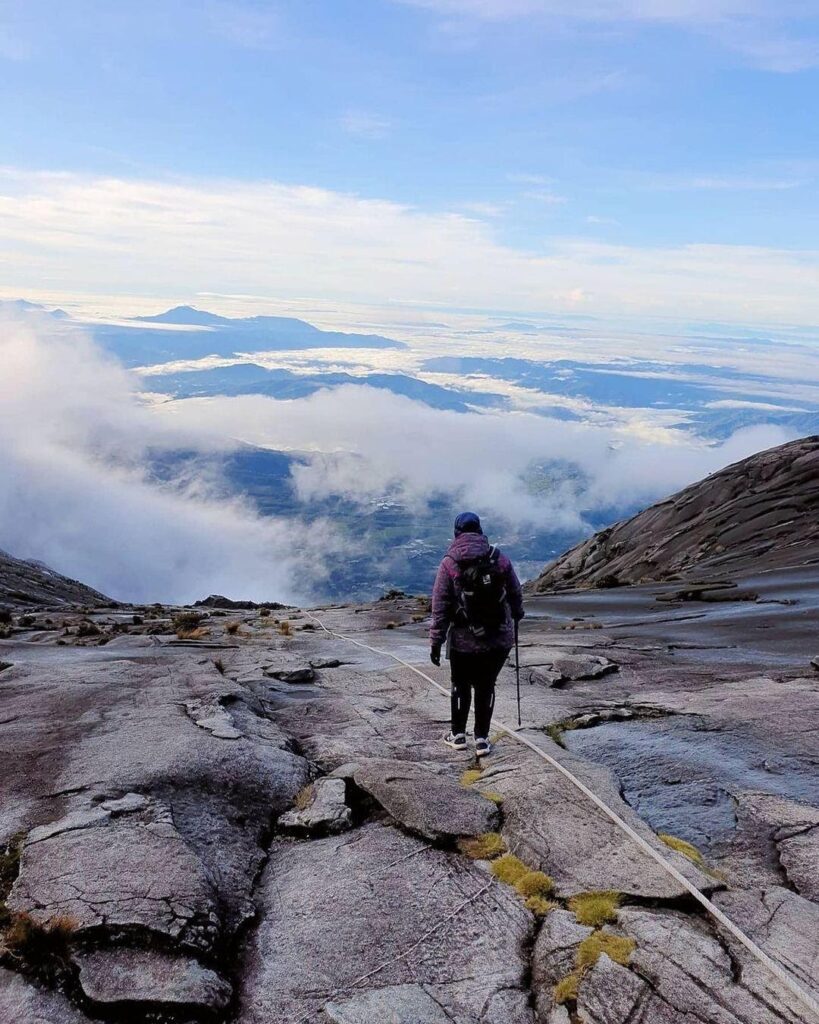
<point x="476" y="605"/>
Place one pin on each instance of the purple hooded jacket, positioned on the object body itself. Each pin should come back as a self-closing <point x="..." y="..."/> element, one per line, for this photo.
<point x="446" y="600"/>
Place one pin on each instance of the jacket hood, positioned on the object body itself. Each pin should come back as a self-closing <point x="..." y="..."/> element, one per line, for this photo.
<point x="467" y="546"/>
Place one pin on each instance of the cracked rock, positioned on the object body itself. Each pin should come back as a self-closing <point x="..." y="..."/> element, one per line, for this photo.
<point x="24" y="1002"/>
<point x="378" y="909"/>
<point x="293" y="675"/>
<point x="327" y="813"/>
<point x="122" y="975"/>
<point x="574" y="667"/>
<point x="424" y="800"/>
<point x="398" y="1004"/>
<point x="128" y="874"/>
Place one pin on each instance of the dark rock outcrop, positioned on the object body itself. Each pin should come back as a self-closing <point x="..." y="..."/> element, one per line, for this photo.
<point x="25" y="583"/>
<point x="757" y="514"/>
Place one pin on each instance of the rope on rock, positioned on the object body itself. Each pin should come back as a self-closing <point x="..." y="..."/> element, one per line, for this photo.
<point x="776" y="969"/>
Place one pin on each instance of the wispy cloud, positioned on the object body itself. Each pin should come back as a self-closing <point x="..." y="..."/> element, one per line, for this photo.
<point x="755" y="29"/>
<point x="96" y="235"/>
<point x="720" y="183"/>
<point x="252" y="26"/>
<point x="365" y="125"/>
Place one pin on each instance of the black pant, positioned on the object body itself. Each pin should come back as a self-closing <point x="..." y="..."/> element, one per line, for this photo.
<point x="479" y="671"/>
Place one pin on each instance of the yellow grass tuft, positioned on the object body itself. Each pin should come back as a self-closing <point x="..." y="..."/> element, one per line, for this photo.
<point x="595" y="908"/>
<point x="509" y="869"/>
<point x="540" y="906"/>
<point x="470" y="776"/>
<point x="304" y="797"/>
<point x="232" y="628"/>
<point x="616" y="947"/>
<point x="681" y="846"/>
<point x="490" y="794"/>
<point x="565" y="990"/>
<point x="535" y="883"/>
<point x="483" y="847"/>
<point x="285" y="628"/>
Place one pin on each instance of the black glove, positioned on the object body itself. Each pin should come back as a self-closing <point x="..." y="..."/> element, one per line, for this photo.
<point x="435" y="654"/>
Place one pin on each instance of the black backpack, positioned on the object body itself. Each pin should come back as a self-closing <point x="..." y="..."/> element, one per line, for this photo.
<point x="482" y="592"/>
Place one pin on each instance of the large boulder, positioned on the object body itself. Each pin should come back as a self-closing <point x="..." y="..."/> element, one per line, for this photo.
<point x="425" y="798"/>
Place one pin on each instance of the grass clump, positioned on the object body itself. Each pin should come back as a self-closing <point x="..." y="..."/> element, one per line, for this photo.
<point x="188" y="625"/>
<point x="616" y="947"/>
<point x="565" y="991"/>
<point x="470" y="776"/>
<point x="540" y="906"/>
<point x="45" y="947"/>
<point x="232" y="628"/>
<point x="595" y="908"/>
<point x="509" y="869"/>
<point x="219" y="665"/>
<point x="483" y="847"/>
<point x="681" y="846"/>
<point x="391" y="625"/>
<point x="304" y="797"/>
<point x="490" y="794"/>
<point x="285" y="628"/>
<point x="535" y="883"/>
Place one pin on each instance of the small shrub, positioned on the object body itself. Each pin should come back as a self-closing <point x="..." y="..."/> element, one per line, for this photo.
<point x="5" y="633"/>
<point x="686" y="849"/>
<point x="509" y="869"/>
<point x="304" y="797"/>
<point x="186" y="622"/>
<point x="26" y="621"/>
<point x="137" y="620"/>
<point x="40" y="945"/>
<point x="540" y="906"/>
<point x="192" y="634"/>
<point x="565" y="991"/>
<point x="219" y="665"/>
<point x="285" y="628"/>
<point x="5" y="617"/>
<point x="232" y="628"/>
<point x="616" y="947"/>
<point x="391" y="625"/>
<point x="264" y="613"/>
<point x="86" y="628"/>
<point x="595" y="908"/>
<point x="470" y="776"/>
<point x="418" y="618"/>
<point x="535" y="883"/>
<point x="483" y="847"/>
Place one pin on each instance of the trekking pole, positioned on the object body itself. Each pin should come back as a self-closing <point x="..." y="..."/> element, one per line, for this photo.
<point x="517" y="668"/>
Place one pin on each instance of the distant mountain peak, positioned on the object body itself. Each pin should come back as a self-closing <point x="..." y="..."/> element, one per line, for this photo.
<point x="188" y="315"/>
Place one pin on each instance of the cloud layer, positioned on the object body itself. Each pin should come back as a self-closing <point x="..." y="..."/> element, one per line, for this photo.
<point x="121" y="236"/>
<point x="76" y="494"/>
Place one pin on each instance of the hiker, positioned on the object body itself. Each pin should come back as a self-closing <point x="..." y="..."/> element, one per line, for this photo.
<point x="476" y="606"/>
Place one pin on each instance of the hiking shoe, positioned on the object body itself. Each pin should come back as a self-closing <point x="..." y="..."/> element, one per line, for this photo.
<point x="456" y="742"/>
<point x="482" y="748"/>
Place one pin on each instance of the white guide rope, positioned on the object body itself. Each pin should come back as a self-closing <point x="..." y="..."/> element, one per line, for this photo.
<point x="784" y="976"/>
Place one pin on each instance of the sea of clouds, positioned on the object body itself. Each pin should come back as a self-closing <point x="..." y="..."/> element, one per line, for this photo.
<point x="78" y="493"/>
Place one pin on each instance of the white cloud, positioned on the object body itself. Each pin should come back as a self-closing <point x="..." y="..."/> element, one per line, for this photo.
<point x="76" y="493"/>
<point x="365" y="125"/>
<point x="368" y="443"/>
<point x="83" y="235"/>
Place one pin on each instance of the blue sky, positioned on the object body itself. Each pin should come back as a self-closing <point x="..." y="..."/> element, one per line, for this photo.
<point x="591" y="153"/>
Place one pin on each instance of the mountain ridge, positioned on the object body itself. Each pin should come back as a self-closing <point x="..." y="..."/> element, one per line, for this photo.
<point x="741" y="519"/>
